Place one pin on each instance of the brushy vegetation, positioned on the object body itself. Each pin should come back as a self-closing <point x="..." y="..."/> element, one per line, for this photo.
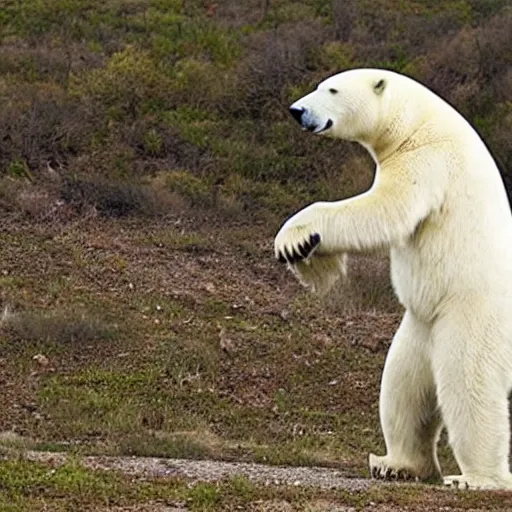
<point x="146" y="106"/>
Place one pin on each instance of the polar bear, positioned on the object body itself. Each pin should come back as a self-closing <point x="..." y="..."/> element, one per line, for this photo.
<point x="439" y="205"/>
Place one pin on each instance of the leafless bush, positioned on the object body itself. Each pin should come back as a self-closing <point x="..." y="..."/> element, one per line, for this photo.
<point x="235" y="13"/>
<point x="108" y="197"/>
<point x="47" y="61"/>
<point x="276" y="59"/>
<point x="473" y="65"/>
<point x="393" y="37"/>
<point x="455" y="65"/>
<point x="37" y="126"/>
<point x="472" y="70"/>
<point x="494" y="40"/>
<point x="344" y="13"/>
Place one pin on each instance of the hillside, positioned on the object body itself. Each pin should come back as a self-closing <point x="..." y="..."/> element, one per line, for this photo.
<point x="138" y="107"/>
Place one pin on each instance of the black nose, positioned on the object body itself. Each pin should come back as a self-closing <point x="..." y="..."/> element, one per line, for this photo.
<point x="297" y="114"/>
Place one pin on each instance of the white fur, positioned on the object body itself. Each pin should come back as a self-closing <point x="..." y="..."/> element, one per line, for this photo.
<point x="439" y="205"/>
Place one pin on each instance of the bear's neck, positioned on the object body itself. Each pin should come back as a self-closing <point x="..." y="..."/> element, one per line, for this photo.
<point x="401" y="130"/>
<point x="394" y="138"/>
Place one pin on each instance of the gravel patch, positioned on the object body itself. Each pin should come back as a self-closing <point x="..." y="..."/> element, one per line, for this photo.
<point x="211" y="471"/>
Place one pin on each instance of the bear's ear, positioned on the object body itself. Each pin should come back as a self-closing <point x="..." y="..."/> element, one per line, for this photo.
<point x="379" y="86"/>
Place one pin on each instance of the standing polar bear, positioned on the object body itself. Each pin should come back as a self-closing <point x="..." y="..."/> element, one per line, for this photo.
<point x="438" y="203"/>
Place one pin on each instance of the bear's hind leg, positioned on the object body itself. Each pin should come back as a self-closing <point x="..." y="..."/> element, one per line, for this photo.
<point x="472" y="368"/>
<point x="408" y="408"/>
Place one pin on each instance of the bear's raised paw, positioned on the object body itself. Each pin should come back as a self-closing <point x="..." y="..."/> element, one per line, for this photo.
<point x="300" y="251"/>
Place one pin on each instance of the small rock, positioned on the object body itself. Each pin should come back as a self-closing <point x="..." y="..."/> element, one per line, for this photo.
<point x="285" y="314"/>
<point x="41" y="359"/>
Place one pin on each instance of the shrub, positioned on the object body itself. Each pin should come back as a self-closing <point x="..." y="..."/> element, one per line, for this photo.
<point x="275" y="60"/>
<point x="39" y="124"/>
<point x="177" y="37"/>
<point x="109" y="198"/>
<point x="131" y="84"/>
<point x="152" y="144"/>
<point x="199" y="84"/>
<point x="194" y="189"/>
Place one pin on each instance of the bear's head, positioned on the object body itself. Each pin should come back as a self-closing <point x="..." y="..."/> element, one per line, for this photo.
<point x="359" y="105"/>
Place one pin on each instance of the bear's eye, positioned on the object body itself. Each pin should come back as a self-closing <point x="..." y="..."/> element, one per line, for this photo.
<point x="333" y="91"/>
<point x="379" y="86"/>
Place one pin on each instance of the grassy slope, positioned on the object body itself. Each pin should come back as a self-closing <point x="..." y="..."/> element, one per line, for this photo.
<point x="180" y="342"/>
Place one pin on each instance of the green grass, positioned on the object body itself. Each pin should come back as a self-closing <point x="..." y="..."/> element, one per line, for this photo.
<point x="29" y="486"/>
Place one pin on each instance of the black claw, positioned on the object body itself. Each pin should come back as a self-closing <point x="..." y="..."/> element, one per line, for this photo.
<point x="314" y="239"/>
<point x="303" y="251"/>
<point x="289" y="257"/>
<point x="388" y="474"/>
<point x="297" y="257"/>
<point x="374" y="472"/>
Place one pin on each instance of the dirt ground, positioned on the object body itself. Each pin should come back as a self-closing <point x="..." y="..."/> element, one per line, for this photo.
<point x="178" y="348"/>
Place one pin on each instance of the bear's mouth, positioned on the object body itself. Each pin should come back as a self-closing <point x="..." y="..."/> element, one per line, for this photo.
<point x="325" y="127"/>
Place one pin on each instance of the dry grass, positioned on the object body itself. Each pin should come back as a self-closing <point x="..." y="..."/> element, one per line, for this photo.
<point x="61" y="328"/>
